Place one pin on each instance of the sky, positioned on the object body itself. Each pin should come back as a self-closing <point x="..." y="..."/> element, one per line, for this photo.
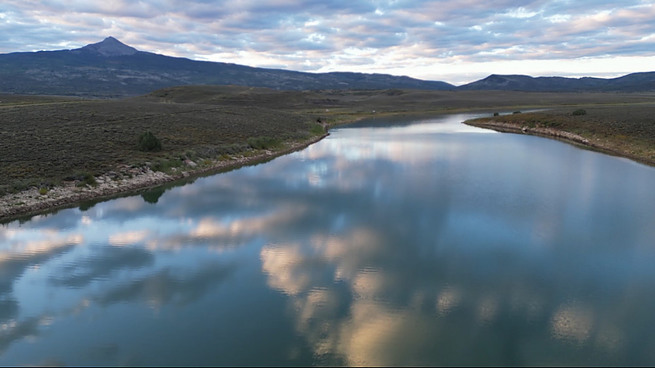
<point x="455" y="41"/>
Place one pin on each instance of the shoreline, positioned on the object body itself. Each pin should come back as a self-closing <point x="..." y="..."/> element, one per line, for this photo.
<point x="31" y="202"/>
<point x="560" y="135"/>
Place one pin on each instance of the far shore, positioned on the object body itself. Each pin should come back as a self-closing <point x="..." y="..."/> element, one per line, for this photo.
<point x="30" y="202"/>
<point x="559" y="134"/>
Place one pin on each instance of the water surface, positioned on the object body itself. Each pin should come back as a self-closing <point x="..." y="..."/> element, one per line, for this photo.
<point x="422" y="242"/>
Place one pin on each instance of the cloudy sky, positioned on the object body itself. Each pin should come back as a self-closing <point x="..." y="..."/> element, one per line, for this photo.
<point x="456" y="41"/>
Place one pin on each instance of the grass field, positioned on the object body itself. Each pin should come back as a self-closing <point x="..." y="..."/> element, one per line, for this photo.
<point x="43" y="144"/>
<point x="47" y="140"/>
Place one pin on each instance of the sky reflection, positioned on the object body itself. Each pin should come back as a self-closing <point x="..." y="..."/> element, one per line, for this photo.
<point x="419" y="244"/>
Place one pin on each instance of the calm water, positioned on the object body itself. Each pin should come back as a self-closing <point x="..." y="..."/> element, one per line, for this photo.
<point x="394" y="243"/>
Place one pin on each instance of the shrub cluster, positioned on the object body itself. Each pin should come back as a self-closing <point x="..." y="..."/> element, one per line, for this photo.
<point x="579" y="112"/>
<point x="148" y="142"/>
<point x="317" y="129"/>
<point x="263" y="142"/>
<point x="86" y="178"/>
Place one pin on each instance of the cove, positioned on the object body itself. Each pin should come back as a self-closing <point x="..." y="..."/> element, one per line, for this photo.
<point x="390" y="242"/>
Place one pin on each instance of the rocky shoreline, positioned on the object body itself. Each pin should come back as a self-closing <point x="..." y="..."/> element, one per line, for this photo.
<point x="557" y="134"/>
<point x="124" y="180"/>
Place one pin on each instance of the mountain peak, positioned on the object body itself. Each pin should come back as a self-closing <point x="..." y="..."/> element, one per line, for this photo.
<point x="110" y="47"/>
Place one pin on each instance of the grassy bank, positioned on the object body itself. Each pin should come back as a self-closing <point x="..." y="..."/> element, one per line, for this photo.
<point x="92" y="146"/>
<point x="626" y="130"/>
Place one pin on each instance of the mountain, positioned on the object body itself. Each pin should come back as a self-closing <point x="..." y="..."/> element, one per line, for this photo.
<point x="111" y="68"/>
<point x="110" y="47"/>
<point x="636" y="82"/>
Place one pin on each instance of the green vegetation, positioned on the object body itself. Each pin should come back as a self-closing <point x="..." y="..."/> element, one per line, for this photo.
<point x="264" y="143"/>
<point x="579" y="112"/>
<point x="148" y="142"/>
<point x="166" y="165"/>
<point x="86" y="179"/>
<point x="317" y="129"/>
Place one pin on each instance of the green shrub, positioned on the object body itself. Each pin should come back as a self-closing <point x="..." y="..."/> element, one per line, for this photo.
<point x="263" y="142"/>
<point x="43" y="191"/>
<point x="148" y="142"/>
<point x="86" y="179"/>
<point x="166" y="165"/>
<point x="579" y="112"/>
<point x="552" y="124"/>
<point x="317" y="129"/>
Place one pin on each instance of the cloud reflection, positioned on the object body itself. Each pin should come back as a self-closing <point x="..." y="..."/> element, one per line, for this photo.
<point x="26" y="249"/>
<point x="12" y="330"/>
<point x="573" y="322"/>
<point x="168" y="286"/>
<point x="103" y="263"/>
<point x="384" y="256"/>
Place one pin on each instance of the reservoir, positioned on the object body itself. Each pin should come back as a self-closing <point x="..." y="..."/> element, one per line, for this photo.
<point x="390" y="242"/>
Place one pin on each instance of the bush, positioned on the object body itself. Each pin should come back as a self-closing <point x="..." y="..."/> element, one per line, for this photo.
<point x="166" y="165"/>
<point x="263" y="142"/>
<point x="148" y="142"/>
<point x="579" y="112"/>
<point x="317" y="129"/>
<point x="86" y="179"/>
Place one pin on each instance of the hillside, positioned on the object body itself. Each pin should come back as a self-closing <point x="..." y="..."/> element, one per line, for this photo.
<point x="111" y="69"/>
<point x="635" y="82"/>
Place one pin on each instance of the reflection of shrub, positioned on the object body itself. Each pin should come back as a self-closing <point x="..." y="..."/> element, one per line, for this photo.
<point x="152" y="196"/>
<point x="148" y="142"/>
<point x="579" y="112"/>
<point x="263" y="142"/>
<point x="496" y="114"/>
<point x="516" y="112"/>
<point x="85" y="206"/>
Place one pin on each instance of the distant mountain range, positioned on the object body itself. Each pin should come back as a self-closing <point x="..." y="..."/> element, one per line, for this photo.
<point x="635" y="82"/>
<point x="113" y="69"/>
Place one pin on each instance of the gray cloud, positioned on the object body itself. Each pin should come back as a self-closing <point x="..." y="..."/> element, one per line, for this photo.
<point x="342" y="35"/>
